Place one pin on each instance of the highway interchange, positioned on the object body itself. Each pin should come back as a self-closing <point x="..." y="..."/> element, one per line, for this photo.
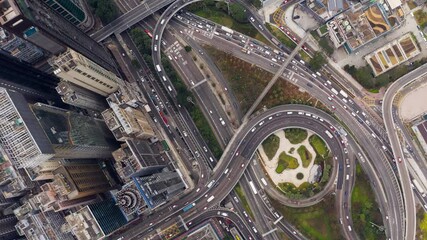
<point x="358" y="123"/>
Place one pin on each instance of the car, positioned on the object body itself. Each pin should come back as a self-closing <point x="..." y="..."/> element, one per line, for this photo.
<point x="198" y="189"/>
<point x="210" y="111"/>
<point x="270" y="118"/>
<point x="345" y="107"/>
<point x="150" y="224"/>
<point x="329" y="98"/>
<point x="237" y="153"/>
<point x="243" y="165"/>
<point x="205" y="149"/>
<point x="190" y="223"/>
<point x="236" y="199"/>
<point x="253" y="129"/>
<point x="174" y="206"/>
<point x="332" y="95"/>
<point x="261" y="123"/>
<point x="399" y="159"/>
<point x="333" y="107"/>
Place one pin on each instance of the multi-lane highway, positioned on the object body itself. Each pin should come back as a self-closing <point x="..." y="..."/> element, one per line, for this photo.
<point x="127" y="20"/>
<point x="389" y="115"/>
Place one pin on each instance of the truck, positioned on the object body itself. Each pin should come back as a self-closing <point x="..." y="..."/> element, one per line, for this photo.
<point x="188" y="207"/>
<point x="158" y="68"/>
<point x="253" y="187"/>
<point x="344" y="94"/>
<point x="147" y="108"/>
<point x="226" y="29"/>
<point x="211" y="183"/>
<point x="418" y="187"/>
<point x="334" y="91"/>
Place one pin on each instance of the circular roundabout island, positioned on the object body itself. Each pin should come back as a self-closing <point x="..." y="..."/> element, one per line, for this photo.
<point x="297" y="161"/>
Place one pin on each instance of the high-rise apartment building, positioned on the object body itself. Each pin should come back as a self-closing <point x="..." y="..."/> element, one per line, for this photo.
<point x="126" y="121"/>
<point x="75" y="183"/>
<point x="80" y="97"/>
<point x="73" y="67"/>
<point x="40" y="24"/>
<point x="74" y="11"/>
<point x="31" y="136"/>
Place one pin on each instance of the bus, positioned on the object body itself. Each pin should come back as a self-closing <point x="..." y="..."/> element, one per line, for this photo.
<point x="158" y="68"/>
<point x="263" y="181"/>
<point x="226" y="29"/>
<point x="188" y="207"/>
<point x="148" y="33"/>
<point x="210" y="198"/>
<point x="329" y="134"/>
<point x="275" y="42"/>
<point x="253" y="187"/>
<point x="344" y="94"/>
<point x="418" y="186"/>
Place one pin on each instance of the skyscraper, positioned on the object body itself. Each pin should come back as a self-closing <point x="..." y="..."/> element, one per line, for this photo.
<point x="38" y="23"/>
<point x="73" y="67"/>
<point x="31" y="136"/>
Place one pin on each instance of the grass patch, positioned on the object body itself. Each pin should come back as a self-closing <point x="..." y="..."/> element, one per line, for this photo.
<point x="296" y="135"/>
<point x="305" y="156"/>
<point x="421" y="18"/>
<point x="220" y="17"/>
<point x="243" y="199"/>
<point x="364" y="209"/>
<point x="316" y="222"/>
<point x="247" y="82"/>
<point x="281" y="36"/>
<point x="323" y="29"/>
<point x="319" y="145"/>
<point x="270" y="145"/>
<point x="374" y="90"/>
<point x="304" y="56"/>
<point x="286" y="161"/>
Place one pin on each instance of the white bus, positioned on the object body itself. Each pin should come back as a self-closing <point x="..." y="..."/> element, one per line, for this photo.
<point x="418" y="186"/>
<point x="211" y="198"/>
<point x="263" y="181"/>
<point x="158" y="68"/>
<point x="344" y="94"/>
<point x="253" y="187"/>
<point x="329" y="134"/>
<point x="334" y="91"/>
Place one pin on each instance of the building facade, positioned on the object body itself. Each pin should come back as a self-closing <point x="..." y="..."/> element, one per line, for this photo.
<point x="19" y="48"/>
<point x="80" y="97"/>
<point x="40" y="24"/>
<point x="73" y="67"/>
<point x="73" y="11"/>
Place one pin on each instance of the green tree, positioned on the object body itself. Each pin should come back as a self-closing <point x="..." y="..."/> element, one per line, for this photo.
<point x="317" y="61"/>
<point x="238" y="12"/>
<point x="256" y="3"/>
<point x="187" y="48"/>
<point x="106" y="10"/>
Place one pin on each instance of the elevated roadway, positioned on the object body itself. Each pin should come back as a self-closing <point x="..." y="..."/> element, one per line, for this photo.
<point x="389" y="111"/>
<point x="125" y="21"/>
